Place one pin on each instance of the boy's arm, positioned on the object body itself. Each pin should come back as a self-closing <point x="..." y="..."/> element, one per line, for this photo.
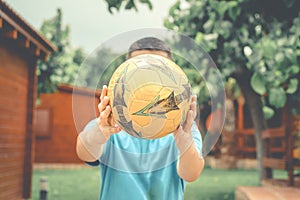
<point x="83" y="153"/>
<point x="190" y="163"/>
<point x="90" y="143"/>
<point x="91" y="140"/>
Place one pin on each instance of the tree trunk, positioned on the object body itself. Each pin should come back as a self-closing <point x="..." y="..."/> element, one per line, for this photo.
<point x="253" y="101"/>
<point x="228" y="146"/>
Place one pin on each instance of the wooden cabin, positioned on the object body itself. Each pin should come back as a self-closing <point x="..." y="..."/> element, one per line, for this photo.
<point x="20" y="48"/>
<point x="58" y="123"/>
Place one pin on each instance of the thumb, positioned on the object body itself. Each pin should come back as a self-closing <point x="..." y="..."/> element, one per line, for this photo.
<point x="179" y="130"/>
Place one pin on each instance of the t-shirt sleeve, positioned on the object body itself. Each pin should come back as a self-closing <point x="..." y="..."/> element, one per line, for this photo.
<point x="88" y="126"/>
<point x="197" y="138"/>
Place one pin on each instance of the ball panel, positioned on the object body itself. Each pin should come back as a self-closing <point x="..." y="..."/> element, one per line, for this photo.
<point x="120" y="113"/>
<point x="136" y="112"/>
<point x="140" y="77"/>
<point x="169" y="127"/>
<point x="146" y="92"/>
<point x="155" y="128"/>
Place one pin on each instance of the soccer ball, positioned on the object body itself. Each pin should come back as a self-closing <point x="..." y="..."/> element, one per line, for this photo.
<point x="149" y="96"/>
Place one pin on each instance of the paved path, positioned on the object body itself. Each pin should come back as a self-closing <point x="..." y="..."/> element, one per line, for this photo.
<point x="267" y="193"/>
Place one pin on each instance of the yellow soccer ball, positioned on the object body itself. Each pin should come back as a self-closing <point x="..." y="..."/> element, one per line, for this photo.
<point x="149" y="96"/>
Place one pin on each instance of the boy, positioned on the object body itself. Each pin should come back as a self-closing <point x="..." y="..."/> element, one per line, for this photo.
<point x="133" y="168"/>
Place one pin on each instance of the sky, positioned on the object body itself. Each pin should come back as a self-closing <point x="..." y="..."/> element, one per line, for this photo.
<point x="90" y="22"/>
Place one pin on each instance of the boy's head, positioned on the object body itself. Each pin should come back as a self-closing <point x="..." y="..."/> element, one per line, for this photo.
<point x="150" y="45"/>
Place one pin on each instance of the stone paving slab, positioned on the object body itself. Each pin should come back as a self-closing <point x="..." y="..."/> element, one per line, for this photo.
<point x="267" y="193"/>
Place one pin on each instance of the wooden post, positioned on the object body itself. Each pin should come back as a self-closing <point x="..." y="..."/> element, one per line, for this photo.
<point x="13" y="34"/>
<point x="44" y="187"/>
<point x="37" y="52"/>
<point x="25" y="43"/>
<point x="29" y="137"/>
<point x="290" y="146"/>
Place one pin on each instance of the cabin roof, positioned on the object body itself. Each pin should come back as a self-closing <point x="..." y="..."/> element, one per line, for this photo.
<point x="14" y="27"/>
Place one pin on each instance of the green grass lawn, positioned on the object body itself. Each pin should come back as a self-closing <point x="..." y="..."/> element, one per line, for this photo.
<point x="216" y="184"/>
<point x="68" y="184"/>
<point x="83" y="184"/>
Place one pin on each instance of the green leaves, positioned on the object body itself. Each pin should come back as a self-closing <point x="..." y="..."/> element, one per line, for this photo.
<point x="244" y="35"/>
<point x="113" y="4"/>
<point x="63" y="64"/>
<point x="268" y="112"/>
<point x="277" y="97"/>
<point x="293" y="85"/>
<point x="223" y="28"/>
<point x="149" y="4"/>
<point x="258" y="84"/>
<point x="275" y="63"/>
<point x="276" y="93"/>
<point x="252" y="38"/>
<point x="268" y="47"/>
<point x="207" y="41"/>
<point x="234" y="11"/>
<point x="128" y="4"/>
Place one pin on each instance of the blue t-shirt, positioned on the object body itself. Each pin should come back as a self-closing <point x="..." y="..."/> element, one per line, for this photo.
<point x="133" y="168"/>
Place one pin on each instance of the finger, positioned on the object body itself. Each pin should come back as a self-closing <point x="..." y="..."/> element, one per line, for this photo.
<point x="178" y="131"/>
<point x="193" y="105"/>
<point x="112" y="120"/>
<point x="194" y="109"/>
<point x="107" y="112"/>
<point x="109" y="130"/>
<point x="103" y="93"/>
<point x="188" y="122"/>
<point x="104" y="116"/>
<point x="113" y="130"/>
<point x="102" y="105"/>
<point x="194" y="98"/>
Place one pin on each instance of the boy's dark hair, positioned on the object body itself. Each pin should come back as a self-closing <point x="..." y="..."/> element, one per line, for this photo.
<point x="150" y="43"/>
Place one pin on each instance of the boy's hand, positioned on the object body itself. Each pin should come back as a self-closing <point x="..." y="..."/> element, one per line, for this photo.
<point x="106" y="122"/>
<point x="183" y="136"/>
<point x="191" y="115"/>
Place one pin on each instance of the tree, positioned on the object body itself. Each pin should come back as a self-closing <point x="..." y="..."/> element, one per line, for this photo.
<point x="126" y="4"/>
<point x="204" y="81"/>
<point x="63" y="64"/>
<point x="253" y="41"/>
<point x="97" y="69"/>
